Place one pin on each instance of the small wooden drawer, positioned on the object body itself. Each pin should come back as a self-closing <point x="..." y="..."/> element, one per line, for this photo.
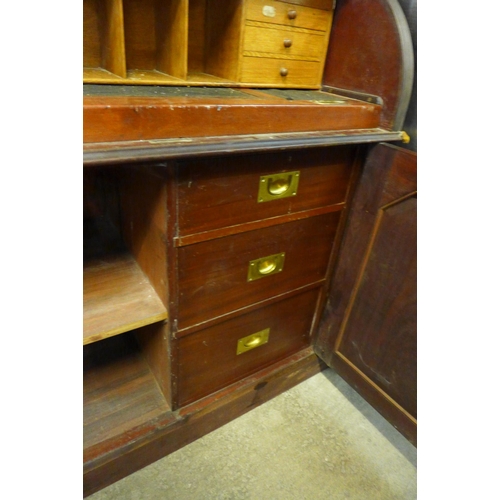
<point x="224" y="191"/>
<point x="208" y="359"/>
<point x="216" y="277"/>
<point x="284" y="42"/>
<point x="280" y="72"/>
<point x="288" y="14"/>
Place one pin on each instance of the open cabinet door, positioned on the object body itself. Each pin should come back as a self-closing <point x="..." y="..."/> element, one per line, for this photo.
<point x="368" y="329"/>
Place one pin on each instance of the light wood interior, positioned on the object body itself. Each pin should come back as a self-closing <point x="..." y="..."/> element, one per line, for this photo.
<point x="201" y="42"/>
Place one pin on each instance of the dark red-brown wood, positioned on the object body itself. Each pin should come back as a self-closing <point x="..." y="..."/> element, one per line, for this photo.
<point x="222" y="191"/>
<point x="368" y="330"/>
<point x="108" y="119"/>
<point x="370" y="52"/>
<point x="208" y="359"/>
<point x="213" y="274"/>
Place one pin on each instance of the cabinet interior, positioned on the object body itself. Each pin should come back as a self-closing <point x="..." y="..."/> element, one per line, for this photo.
<point x="199" y="42"/>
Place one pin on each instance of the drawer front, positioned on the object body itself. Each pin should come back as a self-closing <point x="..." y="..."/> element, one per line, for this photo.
<point x="280" y="72"/>
<point x="226" y="274"/>
<point x="223" y="191"/>
<point x="286" y="43"/>
<point x="288" y="14"/>
<point x="208" y="359"/>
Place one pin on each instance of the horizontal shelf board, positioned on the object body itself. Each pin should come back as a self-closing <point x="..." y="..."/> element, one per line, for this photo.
<point x="117" y="297"/>
<point x="100" y="75"/>
<point x="150" y="77"/>
<point x="119" y="391"/>
<point x="186" y="147"/>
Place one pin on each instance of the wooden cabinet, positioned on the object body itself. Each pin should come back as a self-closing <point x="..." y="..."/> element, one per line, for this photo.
<point x="213" y="217"/>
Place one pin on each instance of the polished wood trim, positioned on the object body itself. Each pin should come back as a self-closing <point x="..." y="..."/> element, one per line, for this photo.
<point x="96" y="154"/>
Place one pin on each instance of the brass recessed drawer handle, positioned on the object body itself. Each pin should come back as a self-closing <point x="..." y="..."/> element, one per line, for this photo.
<point x="265" y="266"/>
<point x="277" y="186"/>
<point x="252" y="341"/>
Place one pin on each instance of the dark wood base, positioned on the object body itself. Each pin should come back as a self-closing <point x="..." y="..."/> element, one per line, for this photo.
<point x="173" y="430"/>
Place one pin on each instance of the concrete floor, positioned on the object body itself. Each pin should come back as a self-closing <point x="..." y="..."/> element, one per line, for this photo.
<point x="318" y="441"/>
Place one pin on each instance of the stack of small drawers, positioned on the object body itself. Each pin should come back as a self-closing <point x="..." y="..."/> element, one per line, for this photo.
<point x="285" y="43"/>
<point x="253" y="242"/>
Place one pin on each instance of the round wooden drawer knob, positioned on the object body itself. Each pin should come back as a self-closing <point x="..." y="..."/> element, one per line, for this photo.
<point x="283" y="72"/>
<point x="287" y="42"/>
<point x="292" y="14"/>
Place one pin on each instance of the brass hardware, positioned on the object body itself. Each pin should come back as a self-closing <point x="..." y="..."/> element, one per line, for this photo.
<point x="265" y="266"/>
<point x="287" y="42"/>
<point x="277" y="186"/>
<point x="252" y="341"/>
<point x="283" y="72"/>
<point x="405" y="138"/>
<point x="292" y="14"/>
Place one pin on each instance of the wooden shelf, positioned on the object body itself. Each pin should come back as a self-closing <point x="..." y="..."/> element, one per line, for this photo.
<point x="120" y="392"/>
<point x="117" y="297"/>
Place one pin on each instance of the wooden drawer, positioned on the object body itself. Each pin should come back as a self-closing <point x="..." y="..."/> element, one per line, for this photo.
<point x="223" y="191"/>
<point x="208" y="359"/>
<point x="214" y="275"/>
<point x="269" y="11"/>
<point x="285" y="42"/>
<point x="280" y="72"/>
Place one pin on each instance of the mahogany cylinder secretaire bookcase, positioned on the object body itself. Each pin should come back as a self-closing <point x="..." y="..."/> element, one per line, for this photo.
<point x="225" y="146"/>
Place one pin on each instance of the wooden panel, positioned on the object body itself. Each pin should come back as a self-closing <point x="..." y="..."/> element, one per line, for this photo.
<point x="108" y="119"/>
<point x="208" y="359"/>
<point x="119" y="390"/>
<point x="155" y="347"/>
<point x="103" y="39"/>
<point x="144" y="224"/>
<point x="196" y="36"/>
<point x="224" y="31"/>
<point x="304" y="46"/>
<point x="374" y="57"/>
<point x="269" y="71"/>
<point x="117" y="297"/>
<point x="368" y="329"/>
<point x="380" y="334"/>
<point x="214" y="193"/>
<point x="172" y="37"/>
<point x="213" y="274"/>
<point x="140" y="33"/>
<point x="314" y="19"/>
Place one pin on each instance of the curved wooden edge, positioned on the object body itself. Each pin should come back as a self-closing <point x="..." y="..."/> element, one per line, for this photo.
<point x="371" y="52"/>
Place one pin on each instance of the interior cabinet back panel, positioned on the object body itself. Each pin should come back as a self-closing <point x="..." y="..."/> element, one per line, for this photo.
<point x="213" y="275"/>
<point x="223" y="191"/>
<point x="208" y="359"/>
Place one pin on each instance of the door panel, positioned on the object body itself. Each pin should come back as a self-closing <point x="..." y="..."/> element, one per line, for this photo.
<point x="368" y="330"/>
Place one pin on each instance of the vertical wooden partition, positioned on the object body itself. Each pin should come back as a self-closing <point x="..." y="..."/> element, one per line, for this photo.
<point x="156" y="38"/>
<point x="104" y="49"/>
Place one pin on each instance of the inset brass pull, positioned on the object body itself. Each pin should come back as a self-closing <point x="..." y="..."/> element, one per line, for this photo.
<point x="252" y="341"/>
<point x="265" y="266"/>
<point x="276" y="186"/>
<point x="287" y="42"/>
<point x="292" y="14"/>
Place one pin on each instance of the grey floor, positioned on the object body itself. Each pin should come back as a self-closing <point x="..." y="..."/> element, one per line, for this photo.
<point x="319" y="441"/>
